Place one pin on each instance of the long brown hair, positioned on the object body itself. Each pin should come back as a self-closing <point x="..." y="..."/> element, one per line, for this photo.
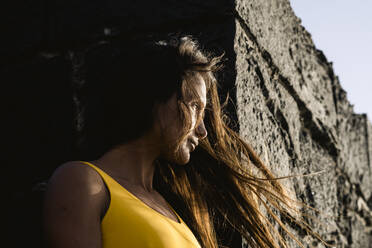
<point x="224" y="177"/>
<point x="219" y="177"/>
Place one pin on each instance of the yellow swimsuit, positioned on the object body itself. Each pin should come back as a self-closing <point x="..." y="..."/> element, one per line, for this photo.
<point x="130" y="223"/>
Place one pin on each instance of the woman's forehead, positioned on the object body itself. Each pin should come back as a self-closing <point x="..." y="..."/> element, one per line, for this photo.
<point x="198" y="90"/>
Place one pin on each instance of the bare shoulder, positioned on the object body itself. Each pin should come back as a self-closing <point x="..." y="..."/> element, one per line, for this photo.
<point x="75" y="185"/>
<point x="75" y="199"/>
<point x="76" y="172"/>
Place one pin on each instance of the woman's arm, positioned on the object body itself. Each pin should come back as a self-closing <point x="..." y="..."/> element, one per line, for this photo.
<point x="74" y="204"/>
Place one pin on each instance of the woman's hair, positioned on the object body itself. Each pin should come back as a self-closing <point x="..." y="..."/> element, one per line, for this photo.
<point x="225" y="178"/>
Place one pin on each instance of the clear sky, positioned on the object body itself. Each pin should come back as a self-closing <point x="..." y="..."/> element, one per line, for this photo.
<point x="342" y="29"/>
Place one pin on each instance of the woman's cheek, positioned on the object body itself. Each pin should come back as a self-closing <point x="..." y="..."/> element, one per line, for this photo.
<point x="193" y="119"/>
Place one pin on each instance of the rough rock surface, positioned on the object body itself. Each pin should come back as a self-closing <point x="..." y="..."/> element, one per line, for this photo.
<point x="286" y="100"/>
<point x="292" y="108"/>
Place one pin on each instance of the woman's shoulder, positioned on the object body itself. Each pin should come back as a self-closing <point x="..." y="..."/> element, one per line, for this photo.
<point x="74" y="204"/>
<point x="77" y="172"/>
<point x="75" y="182"/>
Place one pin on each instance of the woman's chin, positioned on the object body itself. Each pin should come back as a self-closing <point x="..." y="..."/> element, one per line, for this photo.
<point x="183" y="157"/>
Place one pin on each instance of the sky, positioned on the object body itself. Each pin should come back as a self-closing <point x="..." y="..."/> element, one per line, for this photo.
<point x="342" y="29"/>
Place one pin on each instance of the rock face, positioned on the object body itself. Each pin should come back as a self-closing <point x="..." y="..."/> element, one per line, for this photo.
<point x="292" y="108"/>
<point x="286" y="100"/>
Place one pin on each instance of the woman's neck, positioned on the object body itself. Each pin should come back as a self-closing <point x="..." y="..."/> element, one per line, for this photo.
<point x="132" y="162"/>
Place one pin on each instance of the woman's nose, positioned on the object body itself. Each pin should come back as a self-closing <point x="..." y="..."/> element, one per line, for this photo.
<point x="201" y="132"/>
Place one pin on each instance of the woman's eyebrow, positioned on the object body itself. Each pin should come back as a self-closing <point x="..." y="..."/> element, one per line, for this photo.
<point x="201" y="102"/>
<point x="198" y="101"/>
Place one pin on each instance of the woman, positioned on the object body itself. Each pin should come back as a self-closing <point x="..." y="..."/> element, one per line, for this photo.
<point x="153" y="120"/>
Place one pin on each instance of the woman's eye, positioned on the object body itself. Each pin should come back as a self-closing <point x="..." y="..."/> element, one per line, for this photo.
<point x="196" y="106"/>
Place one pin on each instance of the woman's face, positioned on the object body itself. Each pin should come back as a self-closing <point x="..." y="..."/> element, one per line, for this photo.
<point x="171" y="126"/>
